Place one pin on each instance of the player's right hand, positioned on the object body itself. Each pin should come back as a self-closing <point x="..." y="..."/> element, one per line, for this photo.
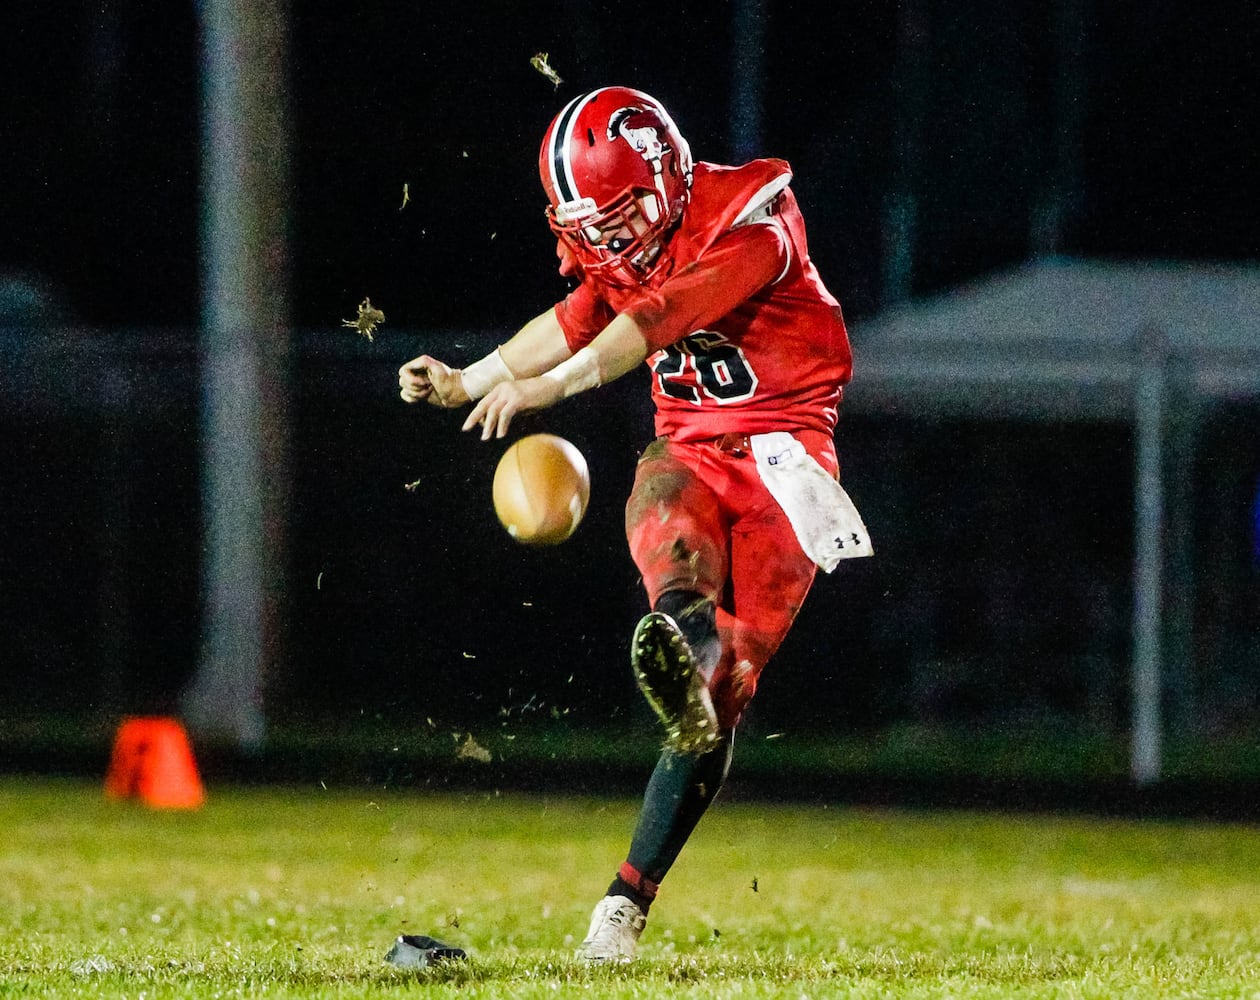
<point x="428" y="379"/>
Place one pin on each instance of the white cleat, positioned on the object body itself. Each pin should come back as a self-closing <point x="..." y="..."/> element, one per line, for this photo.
<point x="615" y="928"/>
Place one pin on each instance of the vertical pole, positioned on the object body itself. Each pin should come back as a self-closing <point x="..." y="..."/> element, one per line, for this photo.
<point x="244" y="356"/>
<point x="747" y="80"/>
<point x="1148" y="567"/>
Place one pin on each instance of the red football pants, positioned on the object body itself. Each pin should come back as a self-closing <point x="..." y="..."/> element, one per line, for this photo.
<point x="700" y="519"/>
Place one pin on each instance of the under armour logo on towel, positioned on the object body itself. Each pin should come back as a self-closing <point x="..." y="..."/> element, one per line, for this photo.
<point x="822" y="516"/>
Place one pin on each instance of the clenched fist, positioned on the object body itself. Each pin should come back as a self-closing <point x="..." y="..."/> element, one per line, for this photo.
<point x="430" y="380"/>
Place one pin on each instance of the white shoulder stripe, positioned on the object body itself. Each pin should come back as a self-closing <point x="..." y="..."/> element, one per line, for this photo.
<point x="762" y="198"/>
<point x="787" y="248"/>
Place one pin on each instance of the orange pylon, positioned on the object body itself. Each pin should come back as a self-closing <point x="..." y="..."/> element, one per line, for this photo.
<point x="153" y="762"/>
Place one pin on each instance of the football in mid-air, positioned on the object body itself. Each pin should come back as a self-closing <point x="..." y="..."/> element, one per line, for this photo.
<point x="541" y="488"/>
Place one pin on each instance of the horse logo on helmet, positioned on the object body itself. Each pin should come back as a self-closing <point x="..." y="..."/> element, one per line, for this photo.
<point x="642" y="129"/>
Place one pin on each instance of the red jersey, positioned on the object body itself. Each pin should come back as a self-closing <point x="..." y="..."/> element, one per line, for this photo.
<point x="746" y="337"/>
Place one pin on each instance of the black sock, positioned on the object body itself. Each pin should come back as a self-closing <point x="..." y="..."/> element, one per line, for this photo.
<point x="696" y="617"/>
<point x="679" y="792"/>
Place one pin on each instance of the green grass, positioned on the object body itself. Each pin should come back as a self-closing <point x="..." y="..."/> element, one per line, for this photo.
<point x="299" y="893"/>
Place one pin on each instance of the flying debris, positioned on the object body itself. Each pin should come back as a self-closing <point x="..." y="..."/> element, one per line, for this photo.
<point x="540" y="63"/>
<point x="367" y="321"/>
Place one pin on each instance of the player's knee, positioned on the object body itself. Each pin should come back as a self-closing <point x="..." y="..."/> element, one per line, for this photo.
<point x="732" y="690"/>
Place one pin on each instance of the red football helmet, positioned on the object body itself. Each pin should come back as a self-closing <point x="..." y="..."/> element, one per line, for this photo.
<point x="617" y="173"/>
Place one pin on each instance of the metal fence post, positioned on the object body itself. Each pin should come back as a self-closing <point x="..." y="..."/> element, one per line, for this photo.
<point x="244" y="359"/>
<point x="1148" y="565"/>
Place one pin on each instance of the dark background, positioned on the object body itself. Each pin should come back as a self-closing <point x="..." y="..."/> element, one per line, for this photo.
<point x="102" y="146"/>
<point x="414" y="605"/>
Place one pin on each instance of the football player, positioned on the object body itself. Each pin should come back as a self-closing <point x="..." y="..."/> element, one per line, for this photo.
<point x="703" y="272"/>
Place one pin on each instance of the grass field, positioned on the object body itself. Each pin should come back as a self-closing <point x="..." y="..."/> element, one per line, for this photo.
<point x="299" y="893"/>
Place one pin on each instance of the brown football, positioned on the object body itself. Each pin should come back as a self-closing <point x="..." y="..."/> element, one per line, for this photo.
<point x="541" y="489"/>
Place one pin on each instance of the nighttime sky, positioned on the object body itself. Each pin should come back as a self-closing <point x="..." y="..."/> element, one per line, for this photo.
<point x="1155" y="142"/>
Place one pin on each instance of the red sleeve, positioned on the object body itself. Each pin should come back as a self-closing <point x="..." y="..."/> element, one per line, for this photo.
<point x="738" y="265"/>
<point x="582" y="315"/>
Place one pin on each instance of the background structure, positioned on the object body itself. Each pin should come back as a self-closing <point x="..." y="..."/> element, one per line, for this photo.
<point x="940" y="150"/>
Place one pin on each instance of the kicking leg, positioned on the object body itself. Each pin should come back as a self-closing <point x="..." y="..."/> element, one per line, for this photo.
<point x="677" y="533"/>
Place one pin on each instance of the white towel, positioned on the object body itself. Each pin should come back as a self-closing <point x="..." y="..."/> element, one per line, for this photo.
<point x="825" y="520"/>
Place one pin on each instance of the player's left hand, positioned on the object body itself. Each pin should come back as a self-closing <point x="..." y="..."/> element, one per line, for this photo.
<point x="495" y="410"/>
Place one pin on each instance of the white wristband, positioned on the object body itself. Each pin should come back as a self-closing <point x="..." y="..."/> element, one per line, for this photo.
<point x="578" y="373"/>
<point x="482" y="376"/>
